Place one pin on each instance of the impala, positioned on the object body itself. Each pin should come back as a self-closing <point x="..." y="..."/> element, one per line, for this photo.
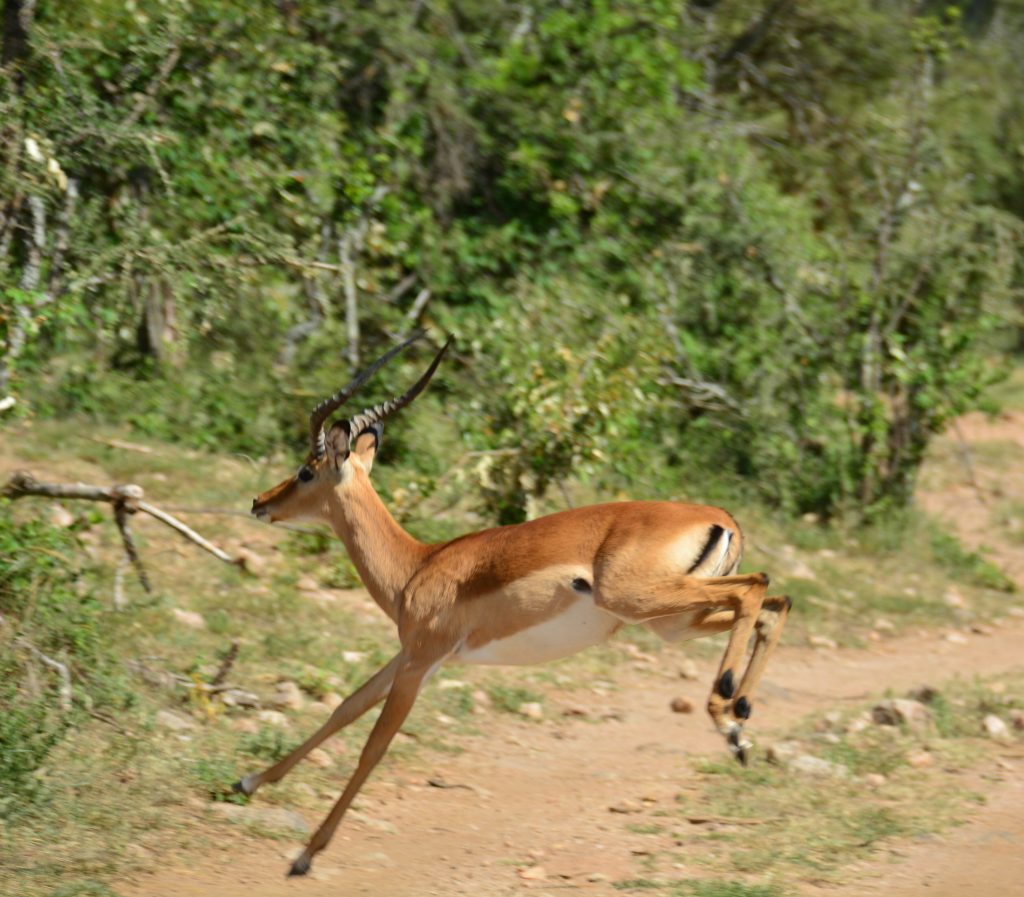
<point x="519" y="594"/>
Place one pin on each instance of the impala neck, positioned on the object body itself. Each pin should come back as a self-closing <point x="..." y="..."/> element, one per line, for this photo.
<point x="385" y="555"/>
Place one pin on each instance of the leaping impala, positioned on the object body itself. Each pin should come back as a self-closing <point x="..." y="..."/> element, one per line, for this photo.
<point x="519" y="594"/>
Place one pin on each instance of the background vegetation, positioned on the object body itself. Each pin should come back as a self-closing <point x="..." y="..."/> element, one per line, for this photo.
<point x="771" y="245"/>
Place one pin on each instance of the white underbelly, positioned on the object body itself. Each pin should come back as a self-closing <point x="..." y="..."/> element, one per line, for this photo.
<point x="581" y="625"/>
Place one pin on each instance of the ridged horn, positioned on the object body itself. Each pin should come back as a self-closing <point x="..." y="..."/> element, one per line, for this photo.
<point x="332" y="403"/>
<point x="378" y="412"/>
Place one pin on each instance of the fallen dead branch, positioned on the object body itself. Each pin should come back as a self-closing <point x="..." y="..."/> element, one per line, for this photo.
<point x="64" y="693"/>
<point x="126" y="500"/>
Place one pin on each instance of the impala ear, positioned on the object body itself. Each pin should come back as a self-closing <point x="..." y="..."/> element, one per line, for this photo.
<point x="338" y="443"/>
<point x="367" y="443"/>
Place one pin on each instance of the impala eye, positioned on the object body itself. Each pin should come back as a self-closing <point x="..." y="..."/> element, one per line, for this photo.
<point x="305" y="474"/>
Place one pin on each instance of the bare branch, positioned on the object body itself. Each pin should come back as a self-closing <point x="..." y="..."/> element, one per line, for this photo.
<point x="121" y="516"/>
<point x="64" y="693"/>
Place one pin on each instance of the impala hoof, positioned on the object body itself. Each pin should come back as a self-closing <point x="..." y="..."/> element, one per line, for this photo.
<point x="300" y="866"/>
<point x="738" y="744"/>
<point x="244" y="786"/>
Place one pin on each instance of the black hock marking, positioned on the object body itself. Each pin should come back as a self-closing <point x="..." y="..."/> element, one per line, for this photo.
<point x="765" y="578"/>
<point x="726" y="686"/>
<point x="742" y="708"/>
<point x="714" y="535"/>
<point x="579" y="584"/>
<point x="789" y="602"/>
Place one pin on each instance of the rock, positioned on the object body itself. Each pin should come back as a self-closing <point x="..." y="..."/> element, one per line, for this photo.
<point x="320" y="757"/>
<point x="925" y="694"/>
<point x="681" y="705"/>
<point x="874" y="780"/>
<point x="688" y="670"/>
<point x="289" y="696"/>
<point x="331" y="699"/>
<point x="237" y="697"/>
<point x="481" y="701"/>
<point x="902" y="711"/>
<point x="858" y="724"/>
<point x="957" y="638"/>
<point x="1015" y="611"/>
<point x="954" y="599"/>
<point x="920" y="759"/>
<point x="251" y="562"/>
<point x="353" y="656"/>
<point x="531" y="710"/>
<point x="60" y="516"/>
<point x="175" y="721"/>
<point x="782" y="752"/>
<point x="996" y="728"/>
<point x="595" y="877"/>
<point x="822" y="641"/>
<point x="273" y="818"/>
<point x="626" y="806"/>
<point x="1017" y="719"/>
<point x="273" y="718"/>
<point x="533" y="873"/>
<point x="808" y="765"/>
<point x="307" y="584"/>
<point x="188" y="618"/>
<point x="883" y="625"/>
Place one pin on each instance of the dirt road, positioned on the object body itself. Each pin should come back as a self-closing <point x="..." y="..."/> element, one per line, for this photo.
<point x="527" y="794"/>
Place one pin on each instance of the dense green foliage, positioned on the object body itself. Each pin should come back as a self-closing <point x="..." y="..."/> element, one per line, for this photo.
<point x="768" y="244"/>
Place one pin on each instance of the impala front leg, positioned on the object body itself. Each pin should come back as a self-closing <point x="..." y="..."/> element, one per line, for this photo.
<point x="407" y="683"/>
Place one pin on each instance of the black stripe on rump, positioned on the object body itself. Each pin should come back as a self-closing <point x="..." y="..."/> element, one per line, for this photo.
<point x="714" y="535"/>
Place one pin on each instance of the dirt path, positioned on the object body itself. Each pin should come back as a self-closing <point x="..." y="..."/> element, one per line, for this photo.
<point x="540" y="794"/>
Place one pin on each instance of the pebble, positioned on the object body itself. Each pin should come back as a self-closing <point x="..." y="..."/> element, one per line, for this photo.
<point x="894" y="711"/>
<point x="957" y="638"/>
<point x="188" y="618"/>
<point x="954" y="599"/>
<point x="996" y="728"/>
<point x="822" y="641"/>
<point x="251" y="562"/>
<point x="920" y="759"/>
<point x="61" y="516"/>
<point x="874" y="780"/>
<point x="273" y="718"/>
<point x="320" y="757"/>
<point x="331" y="699"/>
<point x="626" y="806"/>
<point x="175" y="721"/>
<point x="681" y="705"/>
<point x="307" y="584"/>
<point x="237" y="697"/>
<point x="688" y="670"/>
<point x="809" y="765"/>
<point x="289" y="696"/>
<point x="532" y="710"/>
<point x="533" y="873"/>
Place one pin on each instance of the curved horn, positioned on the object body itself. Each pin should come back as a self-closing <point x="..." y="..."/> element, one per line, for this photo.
<point x="331" y="404"/>
<point x="378" y="412"/>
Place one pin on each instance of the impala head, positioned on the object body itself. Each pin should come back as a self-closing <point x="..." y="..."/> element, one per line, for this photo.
<point x="334" y="453"/>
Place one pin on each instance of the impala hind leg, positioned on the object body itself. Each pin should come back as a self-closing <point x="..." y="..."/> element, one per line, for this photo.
<point x="371" y="692"/>
<point x="767" y="632"/>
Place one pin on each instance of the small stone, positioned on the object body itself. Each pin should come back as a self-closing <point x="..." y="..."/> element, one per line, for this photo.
<point x="353" y="656"/>
<point x="957" y="638"/>
<point x="175" y="721"/>
<point x="874" y="780"/>
<point x="681" y="705"/>
<point x="954" y="599"/>
<point x="782" y="751"/>
<point x="533" y="873"/>
<point x="450" y="684"/>
<point x="251" y="562"/>
<point x="920" y="759"/>
<point x="858" y="724"/>
<point x="1015" y="611"/>
<point x="289" y="696"/>
<point x="237" y="697"/>
<point x="822" y="641"/>
<point x="273" y="718"/>
<point x="626" y="806"/>
<point x="996" y="728"/>
<point x="307" y="584"/>
<point x="61" y="516"/>
<point x="883" y="625"/>
<point x="331" y="699"/>
<point x="595" y="877"/>
<point x="320" y="757"/>
<point x="896" y="711"/>
<point x="531" y="710"/>
<point x="188" y="618"/>
<point x="688" y="670"/>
